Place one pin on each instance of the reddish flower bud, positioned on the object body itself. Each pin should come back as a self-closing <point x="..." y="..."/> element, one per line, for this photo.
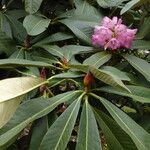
<point x="88" y="79"/>
<point x="43" y="73"/>
<point x="42" y="88"/>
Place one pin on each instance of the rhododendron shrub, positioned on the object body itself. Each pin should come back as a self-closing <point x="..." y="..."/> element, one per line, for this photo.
<point x="75" y="75"/>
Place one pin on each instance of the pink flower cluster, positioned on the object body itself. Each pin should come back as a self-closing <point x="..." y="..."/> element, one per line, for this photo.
<point x="113" y="34"/>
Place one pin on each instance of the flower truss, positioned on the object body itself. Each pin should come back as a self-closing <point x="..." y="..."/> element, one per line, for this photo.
<point x="113" y="34"/>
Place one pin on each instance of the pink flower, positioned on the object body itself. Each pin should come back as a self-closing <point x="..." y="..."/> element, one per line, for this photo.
<point x="113" y="34"/>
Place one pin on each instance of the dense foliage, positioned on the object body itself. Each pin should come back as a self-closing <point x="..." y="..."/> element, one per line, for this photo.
<point x="65" y="90"/>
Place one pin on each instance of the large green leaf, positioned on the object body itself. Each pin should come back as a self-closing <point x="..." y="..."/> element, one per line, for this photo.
<point x="71" y="50"/>
<point x="39" y="129"/>
<point x="54" y="50"/>
<point x="9" y="63"/>
<point x="59" y="133"/>
<point x="84" y="7"/>
<point x="32" y="6"/>
<point x="119" y="74"/>
<point x="59" y="36"/>
<point x="144" y="29"/>
<point x="68" y="74"/>
<point x="35" y="24"/>
<point x="109" y="3"/>
<point x="140" y="65"/>
<point x="17" y="29"/>
<point x="30" y="111"/>
<point x="129" y="5"/>
<point x="11" y="94"/>
<point x="108" y="78"/>
<point x="97" y="59"/>
<point x="7" y="45"/>
<point x="81" y="26"/>
<point x="141" y="44"/>
<point x="138" y="93"/>
<point x="116" y="138"/>
<point x="88" y="134"/>
<point x="5" y="26"/>
<point x="140" y="137"/>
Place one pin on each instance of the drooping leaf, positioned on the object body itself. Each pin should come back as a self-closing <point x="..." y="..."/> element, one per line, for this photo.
<point x="108" y="78"/>
<point x="128" y="6"/>
<point x="97" y="59"/>
<point x="68" y="74"/>
<point x="9" y="63"/>
<point x="141" y="44"/>
<point x="54" y="50"/>
<point x="39" y="129"/>
<point x="119" y="74"/>
<point x="59" y="36"/>
<point x="32" y="6"/>
<point x="140" y="65"/>
<point x="30" y="111"/>
<point x="116" y="138"/>
<point x="109" y="3"/>
<point x="144" y="29"/>
<point x="59" y="133"/>
<point x="17" y="28"/>
<point x="12" y="91"/>
<point x="88" y="134"/>
<point x="86" y="8"/>
<point x="138" y="93"/>
<point x="7" y="45"/>
<point x="140" y="137"/>
<point x="71" y="50"/>
<point x="35" y="24"/>
<point x="5" y="25"/>
<point x="82" y="28"/>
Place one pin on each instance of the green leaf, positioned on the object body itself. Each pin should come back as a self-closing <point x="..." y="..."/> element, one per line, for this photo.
<point x="30" y="111"/>
<point x="141" y="44"/>
<point x="71" y="50"/>
<point x="59" y="133"/>
<point x="119" y="74"/>
<point x="140" y="137"/>
<point x="59" y="36"/>
<point x="68" y="74"/>
<point x="138" y="93"/>
<point x="54" y="50"/>
<point x="35" y="24"/>
<point x="88" y="134"/>
<point x="9" y="63"/>
<point x="32" y="6"/>
<point x="86" y="8"/>
<point x="12" y="91"/>
<point x="80" y="67"/>
<point x="144" y="29"/>
<point x="5" y="25"/>
<point x="81" y="26"/>
<point x="17" y="28"/>
<point x="39" y="129"/>
<point x="129" y="5"/>
<point x="108" y="78"/>
<point x="97" y="59"/>
<point x="109" y="3"/>
<point x="116" y="138"/>
<point x="140" y="65"/>
<point x="7" y="45"/>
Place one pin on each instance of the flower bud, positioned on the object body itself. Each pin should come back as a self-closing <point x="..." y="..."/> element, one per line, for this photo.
<point x="88" y="79"/>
